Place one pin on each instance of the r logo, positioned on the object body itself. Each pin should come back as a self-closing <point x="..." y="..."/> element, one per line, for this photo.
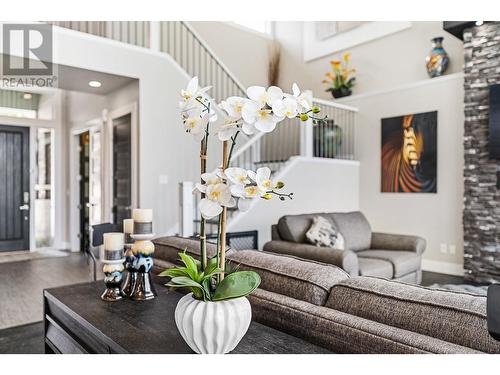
<point x="27" y="50"/>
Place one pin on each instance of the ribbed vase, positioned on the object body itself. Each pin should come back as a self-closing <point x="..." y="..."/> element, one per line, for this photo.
<point x="212" y="327"/>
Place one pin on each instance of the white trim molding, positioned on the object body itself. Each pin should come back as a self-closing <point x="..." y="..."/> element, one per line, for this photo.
<point x="447" y="268"/>
<point x="314" y="49"/>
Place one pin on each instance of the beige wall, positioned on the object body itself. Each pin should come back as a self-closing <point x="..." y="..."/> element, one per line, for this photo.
<point x="382" y="63"/>
<point x="245" y="53"/>
<point x="436" y="217"/>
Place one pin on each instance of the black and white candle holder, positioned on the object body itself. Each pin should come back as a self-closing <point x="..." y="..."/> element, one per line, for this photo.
<point x="143" y="251"/>
<point x="131" y="272"/>
<point x="113" y="266"/>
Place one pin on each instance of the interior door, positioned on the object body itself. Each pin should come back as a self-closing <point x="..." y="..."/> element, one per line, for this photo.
<point x="14" y="188"/>
<point x="122" y="168"/>
<point x="95" y="180"/>
<point x="84" y="182"/>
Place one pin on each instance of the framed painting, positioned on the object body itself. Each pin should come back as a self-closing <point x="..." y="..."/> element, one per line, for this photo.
<point x="409" y="153"/>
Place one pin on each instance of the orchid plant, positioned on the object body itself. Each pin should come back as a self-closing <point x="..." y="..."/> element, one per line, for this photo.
<point x="261" y="111"/>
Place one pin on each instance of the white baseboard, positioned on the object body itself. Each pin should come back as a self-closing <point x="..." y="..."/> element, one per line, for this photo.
<point x="447" y="268"/>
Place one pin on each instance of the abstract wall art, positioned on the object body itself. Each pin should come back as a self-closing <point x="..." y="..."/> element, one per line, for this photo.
<point x="409" y="153"/>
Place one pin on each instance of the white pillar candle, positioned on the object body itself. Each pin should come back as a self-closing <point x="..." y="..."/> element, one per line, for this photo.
<point x="128" y="226"/>
<point x="142" y="215"/>
<point x="114" y="241"/>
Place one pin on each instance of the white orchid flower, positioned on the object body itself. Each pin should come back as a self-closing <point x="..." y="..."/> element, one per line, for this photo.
<point x="233" y="106"/>
<point x="287" y="107"/>
<point x="246" y="194"/>
<point x="196" y="124"/>
<point x="217" y="196"/>
<point x="263" y="179"/>
<point x="262" y="96"/>
<point x="190" y="94"/>
<point x="237" y="176"/>
<point x="209" y="178"/>
<point x="263" y="119"/>
<point x="227" y="128"/>
<point x="304" y="99"/>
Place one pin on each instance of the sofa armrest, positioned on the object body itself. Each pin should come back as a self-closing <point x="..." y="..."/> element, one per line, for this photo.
<point x="387" y="241"/>
<point x="345" y="259"/>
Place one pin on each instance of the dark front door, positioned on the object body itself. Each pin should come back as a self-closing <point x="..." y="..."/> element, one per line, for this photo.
<point x="122" y="169"/>
<point x="84" y="190"/>
<point x="14" y="188"/>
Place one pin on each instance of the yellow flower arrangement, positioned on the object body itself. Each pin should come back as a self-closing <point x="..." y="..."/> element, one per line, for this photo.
<point x="341" y="77"/>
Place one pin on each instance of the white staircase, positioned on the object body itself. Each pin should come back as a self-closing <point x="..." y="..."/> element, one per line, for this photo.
<point x="333" y="139"/>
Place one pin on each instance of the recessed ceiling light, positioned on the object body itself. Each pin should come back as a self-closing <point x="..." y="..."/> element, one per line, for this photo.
<point x="479" y="23"/>
<point x="95" y="84"/>
<point x="27" y="96"/>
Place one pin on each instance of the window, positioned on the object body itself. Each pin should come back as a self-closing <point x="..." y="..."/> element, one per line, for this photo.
<point x="259" y="26"/>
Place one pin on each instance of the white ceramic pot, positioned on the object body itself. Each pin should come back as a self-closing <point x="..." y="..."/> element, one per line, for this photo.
<point x="212" y="327"/>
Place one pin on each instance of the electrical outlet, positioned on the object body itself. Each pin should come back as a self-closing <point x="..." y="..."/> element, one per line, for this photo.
<point x="443" y="248"/>
<point x="453" y="249"/>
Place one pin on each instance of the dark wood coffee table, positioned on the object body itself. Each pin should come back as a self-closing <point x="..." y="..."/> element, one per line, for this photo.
<point x="77" y="321"/>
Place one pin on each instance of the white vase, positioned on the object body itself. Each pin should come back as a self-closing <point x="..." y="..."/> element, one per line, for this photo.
<point x="212" y="327"/>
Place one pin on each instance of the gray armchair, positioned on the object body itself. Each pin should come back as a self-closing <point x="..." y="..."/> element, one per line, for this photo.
<point x="367" y="253"/>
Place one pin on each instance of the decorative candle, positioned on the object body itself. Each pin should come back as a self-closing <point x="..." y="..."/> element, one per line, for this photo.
<point x="142" y="215"/>
<point x="114" y="241"/>
<point x="143" y="221"/>
<point x="128" y="226"/>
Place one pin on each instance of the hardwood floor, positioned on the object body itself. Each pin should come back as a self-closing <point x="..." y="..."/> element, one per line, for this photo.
<point x="22" y="283"/>
<point x="429" y="278"/>
<point x="25" y="339"/>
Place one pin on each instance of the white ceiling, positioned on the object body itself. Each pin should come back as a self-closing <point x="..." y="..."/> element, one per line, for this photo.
<point x="77" y="79"/>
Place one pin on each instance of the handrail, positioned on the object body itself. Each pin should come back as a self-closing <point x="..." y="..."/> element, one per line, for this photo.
<point x="212" y="54"/>
<point x="335" y="104"/>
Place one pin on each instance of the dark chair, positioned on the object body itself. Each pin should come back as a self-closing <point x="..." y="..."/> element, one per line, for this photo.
<point x="97" y="239"/>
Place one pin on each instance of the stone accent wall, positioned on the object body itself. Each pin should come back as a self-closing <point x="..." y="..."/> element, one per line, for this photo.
<point x="481" y="214"/>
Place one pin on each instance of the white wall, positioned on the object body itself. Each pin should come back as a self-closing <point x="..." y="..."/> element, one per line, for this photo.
<point x="82" y="107"/>
<point x="244" y="52"/>
<point x="387" y="62"/>
<point x="318" y="185"/>
<point x="436" y="217"/>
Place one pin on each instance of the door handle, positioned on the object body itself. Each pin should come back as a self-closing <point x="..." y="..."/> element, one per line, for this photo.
<point x="24" y="207"/>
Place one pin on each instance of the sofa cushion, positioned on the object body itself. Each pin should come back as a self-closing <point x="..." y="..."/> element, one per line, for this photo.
<point x="458" y="318"/>
<point x="293" y="277"/>
<point x="403" y="262"/>
<point x="168" y="248"/>
<point x="375" y="268"/>
<point x="355" y="229"/>
<point x="293" y="228"/>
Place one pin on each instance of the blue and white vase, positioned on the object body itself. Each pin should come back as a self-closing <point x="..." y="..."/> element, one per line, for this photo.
<point x="438" y="60"/>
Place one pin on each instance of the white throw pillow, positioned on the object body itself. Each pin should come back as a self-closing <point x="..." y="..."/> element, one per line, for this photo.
<point x="324" y="233"/>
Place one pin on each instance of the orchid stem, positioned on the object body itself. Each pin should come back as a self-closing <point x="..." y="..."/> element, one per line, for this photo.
<point x="203" y="169"/>
<point x="222" y="224"/>
<point x="233" y="140"/>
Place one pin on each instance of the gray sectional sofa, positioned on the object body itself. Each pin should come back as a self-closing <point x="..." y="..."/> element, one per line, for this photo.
<point x="325" y="305"/>
<point x="367" y="253"/>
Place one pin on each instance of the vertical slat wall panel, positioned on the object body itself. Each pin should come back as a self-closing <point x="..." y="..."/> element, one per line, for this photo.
<point x="177" y="39"/>
<point x="131" y="32"/>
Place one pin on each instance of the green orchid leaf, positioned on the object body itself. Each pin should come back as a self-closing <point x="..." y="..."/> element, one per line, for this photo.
<point x="186" y="282"/>
<point x="191" y="267"/>
<point x="206" y="289"/>
<point x="237" y="284"/>
<point x="174" y="272"/>
<point x="183" y="281"/>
